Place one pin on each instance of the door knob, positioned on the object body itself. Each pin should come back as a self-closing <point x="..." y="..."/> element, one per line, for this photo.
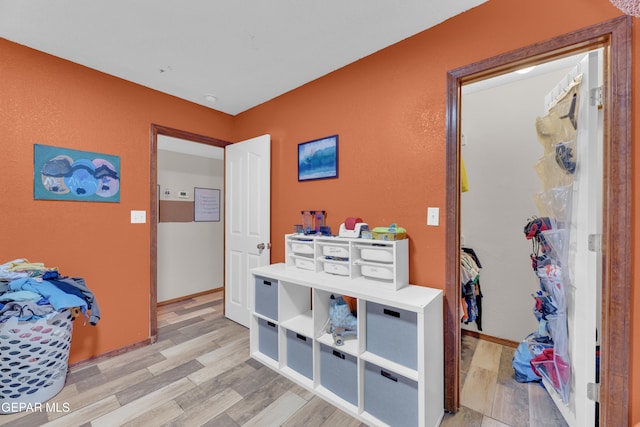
<point x="263" y="246"/>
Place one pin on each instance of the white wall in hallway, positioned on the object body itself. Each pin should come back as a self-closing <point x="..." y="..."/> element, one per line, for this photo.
<point x="190" y="254"/>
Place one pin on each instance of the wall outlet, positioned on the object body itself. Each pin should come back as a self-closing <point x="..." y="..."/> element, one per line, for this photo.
<point x="183" y="194"/>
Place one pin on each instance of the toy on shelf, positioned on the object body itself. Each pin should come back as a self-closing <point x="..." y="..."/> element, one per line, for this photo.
<point x="324" y="230"/>
<point x="352" y="227"/>
<point x="341" y="322"/>
<point x="393" y="232"/>
<point x="313" y="222"/>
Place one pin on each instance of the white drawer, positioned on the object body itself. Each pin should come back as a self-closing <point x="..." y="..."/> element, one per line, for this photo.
<point x="305" y="264"/>
<point x="302" y="248"/>
<point x="377" y="271"/>
<point x="377" y="254"/>
<point x="339" y="269"/>
<point x="336" y="251"/>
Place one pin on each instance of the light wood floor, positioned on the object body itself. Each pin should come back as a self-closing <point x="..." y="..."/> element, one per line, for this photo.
<point x="490" y="397"/>
<point x="199" y="374"/>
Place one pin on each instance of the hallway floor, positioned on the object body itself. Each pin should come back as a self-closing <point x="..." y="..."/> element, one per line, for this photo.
<point x="199" y="374"/>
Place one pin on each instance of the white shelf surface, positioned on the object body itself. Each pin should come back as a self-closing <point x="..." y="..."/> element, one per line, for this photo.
<point x="333" y="261"/>
<point x="307" y="257"/>
<point x="411" y="297"/>
<point x="301" y="324"/>
<point x="382" y="362"/>
<point x="262" y="316"/>
<point x="373" y="263"/>
<point x="350" y="345"/>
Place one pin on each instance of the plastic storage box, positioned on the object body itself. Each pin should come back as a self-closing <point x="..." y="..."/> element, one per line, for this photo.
<point x="339" y="269"/>
<point x="305" y="263"/>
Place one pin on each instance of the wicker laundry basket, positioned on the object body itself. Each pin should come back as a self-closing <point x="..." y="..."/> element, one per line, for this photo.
<point x="33" y="359"/>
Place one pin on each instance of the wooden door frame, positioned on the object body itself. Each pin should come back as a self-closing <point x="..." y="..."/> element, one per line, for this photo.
<point x="615" y="37"/>
<point x="153" y="209"/>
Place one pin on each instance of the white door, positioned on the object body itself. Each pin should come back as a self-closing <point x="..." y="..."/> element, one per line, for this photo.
<point x="583" y="311"/>
<point x="247" y="218"/>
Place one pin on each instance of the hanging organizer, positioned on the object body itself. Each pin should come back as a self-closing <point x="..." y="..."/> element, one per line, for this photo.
<point x="550" y="233"/>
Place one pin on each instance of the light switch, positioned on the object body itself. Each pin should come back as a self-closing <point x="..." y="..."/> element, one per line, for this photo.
<point x="433" y="216"/>
<point x="138" y="217"/>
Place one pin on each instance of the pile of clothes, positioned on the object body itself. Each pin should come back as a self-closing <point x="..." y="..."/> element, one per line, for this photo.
<point x="30" y="291"/>
<point x="471" y="302"/>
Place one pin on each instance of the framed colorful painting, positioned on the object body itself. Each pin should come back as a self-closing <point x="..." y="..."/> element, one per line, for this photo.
<point x="66" y="174"/>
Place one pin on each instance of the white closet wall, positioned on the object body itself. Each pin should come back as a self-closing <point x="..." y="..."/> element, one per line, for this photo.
<point x="500" y="149"/>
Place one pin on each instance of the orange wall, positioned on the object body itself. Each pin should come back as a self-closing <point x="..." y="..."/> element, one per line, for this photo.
<point x="389" y="111"/>
<point x="45" y="100"/>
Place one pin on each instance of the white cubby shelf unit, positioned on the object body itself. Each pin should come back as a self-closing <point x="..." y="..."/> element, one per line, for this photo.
<point x="391" y="374"/>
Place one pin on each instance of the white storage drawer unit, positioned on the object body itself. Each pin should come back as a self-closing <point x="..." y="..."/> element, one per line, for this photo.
<point x="385" y="264"/>
<point x="390" y="374"/>
<point x="336" y="268"/>
<point x="391" y="334"/>
<point x="339" y="373"/>
<point x="266" y="297"/>
<point x="377" y="253"/>
<point x="384" y="272"/>
<point x="390" y="397"/>
<point x="302" y="248"/>
<point x="338" y="251"/>
<point x="305" y="263"/>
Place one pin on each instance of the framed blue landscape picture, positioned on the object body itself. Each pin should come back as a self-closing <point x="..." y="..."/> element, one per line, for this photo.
<point x="318" y="159"/>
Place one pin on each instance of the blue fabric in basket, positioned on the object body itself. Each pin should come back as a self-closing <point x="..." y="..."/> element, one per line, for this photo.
<point x="57" y="298"/>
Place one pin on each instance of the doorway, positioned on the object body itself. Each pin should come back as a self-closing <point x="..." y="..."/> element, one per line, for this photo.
<point x="191" y="220"/>
<point x="515" y="177"/>
<point x="614" y="37"/>
<point x="500" y="150"/>
<point x="153" y="216"/>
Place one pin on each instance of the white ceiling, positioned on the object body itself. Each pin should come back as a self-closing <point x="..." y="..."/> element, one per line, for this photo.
<point x="244" y="52"/>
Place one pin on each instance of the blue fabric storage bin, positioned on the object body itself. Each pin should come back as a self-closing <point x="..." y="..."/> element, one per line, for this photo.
<point x="267" y="297"/>
<point x="339" y="373"/>
<point x="268" y="338"/>
<point x="390" y="397"/>
<point x="300" y="354"/>
<point x="392" y="333"/>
